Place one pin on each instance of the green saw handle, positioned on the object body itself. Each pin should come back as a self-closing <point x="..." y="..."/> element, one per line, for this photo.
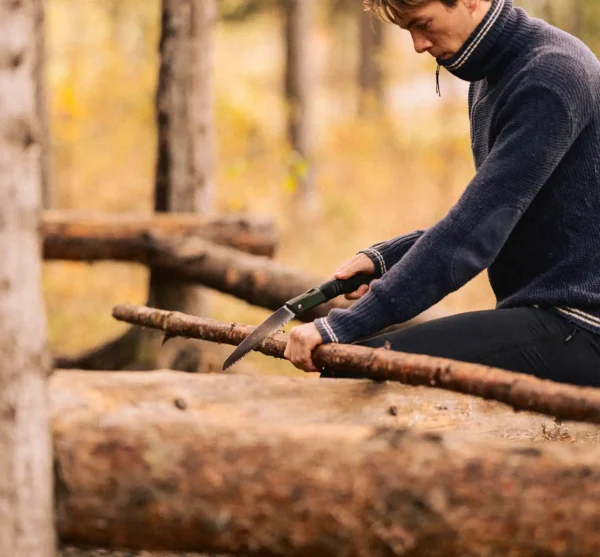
<point x="337" y="287"/>
<point x="327" y="291"/>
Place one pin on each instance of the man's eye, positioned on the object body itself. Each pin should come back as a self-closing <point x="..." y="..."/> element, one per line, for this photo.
<point x="424" y="26"/>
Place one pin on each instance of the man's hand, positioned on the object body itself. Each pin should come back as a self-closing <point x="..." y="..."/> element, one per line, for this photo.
<point x="360" y="263"/>
<point x="303" y="340"/>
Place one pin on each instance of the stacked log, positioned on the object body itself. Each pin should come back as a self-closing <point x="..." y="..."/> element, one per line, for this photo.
<point x="95" y="237"/>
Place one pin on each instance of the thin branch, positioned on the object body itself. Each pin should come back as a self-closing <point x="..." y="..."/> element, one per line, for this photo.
<point x="520" y="391"/>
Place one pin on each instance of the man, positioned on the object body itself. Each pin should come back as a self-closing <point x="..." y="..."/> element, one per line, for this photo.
<point x="531" y="214"/>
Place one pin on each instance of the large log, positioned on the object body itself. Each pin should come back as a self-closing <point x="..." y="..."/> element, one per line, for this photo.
<point x="127" y="237"/>
<point x="520" y="391"/>
<point x="299" y="400"/>
<point x="169" y="472"/>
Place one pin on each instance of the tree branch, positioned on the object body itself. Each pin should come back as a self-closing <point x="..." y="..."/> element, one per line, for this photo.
<point x="520" y="391"/>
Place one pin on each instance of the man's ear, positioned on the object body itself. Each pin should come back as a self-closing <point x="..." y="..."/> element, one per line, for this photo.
<point x="471" y="5"/>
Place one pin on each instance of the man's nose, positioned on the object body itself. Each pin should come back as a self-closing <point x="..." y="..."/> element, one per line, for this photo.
<point x="421" y="44"/>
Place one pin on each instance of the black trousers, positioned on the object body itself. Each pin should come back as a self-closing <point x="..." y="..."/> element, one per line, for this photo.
<point x="527" y="340"/>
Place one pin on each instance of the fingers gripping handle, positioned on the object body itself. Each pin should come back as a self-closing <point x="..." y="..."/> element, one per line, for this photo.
<point x="327" y="291"/>
<point x="337" y="287"/>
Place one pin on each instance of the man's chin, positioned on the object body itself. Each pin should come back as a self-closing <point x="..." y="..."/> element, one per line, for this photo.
<point x="445" y="56"/>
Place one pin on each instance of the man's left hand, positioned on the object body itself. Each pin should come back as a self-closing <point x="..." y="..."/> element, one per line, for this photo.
<point x="303" y="340"/>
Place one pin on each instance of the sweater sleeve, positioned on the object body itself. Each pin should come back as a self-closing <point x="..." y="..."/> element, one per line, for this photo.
<point x="385" y="255"/>
<point x="535" y="129"/>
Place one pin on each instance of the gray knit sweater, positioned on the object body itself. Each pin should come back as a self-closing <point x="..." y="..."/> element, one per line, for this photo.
<point x="531" y="214"/>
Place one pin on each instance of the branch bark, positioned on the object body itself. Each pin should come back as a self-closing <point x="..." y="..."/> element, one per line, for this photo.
<point x="520" y="391"/>
<point x="157" y="472"/>
<point x="79" y="237"/>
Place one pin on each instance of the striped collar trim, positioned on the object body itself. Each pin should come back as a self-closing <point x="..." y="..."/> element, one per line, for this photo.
<point x="489" y="44"/>
<point x="472" y="44"/>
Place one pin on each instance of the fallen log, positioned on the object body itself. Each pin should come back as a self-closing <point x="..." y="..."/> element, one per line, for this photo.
<point x="126" y="237"/>
<point x="305" y="400"/>
<point x="253" y="278"/>
<point x="186" y="248"/>
<point x="173" y="477"/>
<point x="520" y="391"/>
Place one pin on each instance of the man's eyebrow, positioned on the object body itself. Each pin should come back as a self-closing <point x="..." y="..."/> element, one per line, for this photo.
<point x="413" y="21"/>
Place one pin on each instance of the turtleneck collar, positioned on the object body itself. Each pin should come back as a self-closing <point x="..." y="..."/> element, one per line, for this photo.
<point x="490" y="44"/>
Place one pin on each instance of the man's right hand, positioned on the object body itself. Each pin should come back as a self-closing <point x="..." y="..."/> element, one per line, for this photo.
<point x="360" y="263"/>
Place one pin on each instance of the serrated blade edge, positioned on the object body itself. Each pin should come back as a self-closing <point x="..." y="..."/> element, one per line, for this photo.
<point x="281" y="317"/>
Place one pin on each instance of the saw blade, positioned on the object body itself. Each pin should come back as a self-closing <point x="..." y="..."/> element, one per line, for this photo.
<point x="270" y="325"/>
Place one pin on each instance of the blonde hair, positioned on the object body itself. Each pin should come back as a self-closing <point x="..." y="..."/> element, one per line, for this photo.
<point x="393" y="10"/>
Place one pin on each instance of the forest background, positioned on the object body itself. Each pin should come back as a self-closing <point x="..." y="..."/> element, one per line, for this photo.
<point x="391" y="167"/>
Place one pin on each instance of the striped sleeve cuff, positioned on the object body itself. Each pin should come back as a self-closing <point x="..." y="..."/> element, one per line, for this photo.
<point x="386" y="254"/>
<point x="345" y="326"/>
<point x="325" y="330"/>
<point x="377" y="259"/>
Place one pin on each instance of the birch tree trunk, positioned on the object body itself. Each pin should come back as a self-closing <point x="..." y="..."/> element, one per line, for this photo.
<point x="186" y="153"/>
<point x="299" y="17"/>
<point x="47" y="185"/>
<point x="26" y="508"/>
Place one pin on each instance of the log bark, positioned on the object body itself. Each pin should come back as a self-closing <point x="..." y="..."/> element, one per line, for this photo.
<point x="26" y="512"/>
<point x="127" y="237"/>
<point x="520" y="391"/>
<point x="174" y="478"/>
<point x="306" y="400"/>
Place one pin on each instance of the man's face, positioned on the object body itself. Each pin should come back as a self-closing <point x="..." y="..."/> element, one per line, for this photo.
<point x="439" y="30"/>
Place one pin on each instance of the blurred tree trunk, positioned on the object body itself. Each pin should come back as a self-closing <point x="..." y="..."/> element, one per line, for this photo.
<point x="549" y="12"/>
<point x="370" y="80"/>
<point x="186" y="153"/>
<point x="48" y="197"/>
<point x="577" y="23"/>
<point x="299" y="87"/>
<point x="26" y="488"/>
